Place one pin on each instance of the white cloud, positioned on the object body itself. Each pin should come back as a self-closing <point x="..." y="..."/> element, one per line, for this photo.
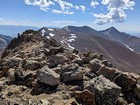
<point x="116" y="11"/>
<point x="115" y="8"/>
<point x="1" y="19"/>
<point x="65" y="7"/>
<point x="94" y="3"/>
<point x="83" y="8"/>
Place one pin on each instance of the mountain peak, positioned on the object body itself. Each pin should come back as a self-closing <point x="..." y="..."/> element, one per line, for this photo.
<point x="85" y="29"/>
<point x="113" y="29"/>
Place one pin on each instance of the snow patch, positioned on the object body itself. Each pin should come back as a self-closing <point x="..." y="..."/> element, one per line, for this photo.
<point x="51" y="34"/>
<point x="129" y="48"/>
<point x="70" y="46"/>
<point x="70" y="40"/>
<point x="43" y="32"/>
<point x="73" y="34"/>
<point x="73" y="37"/>
<point x="50" y="29"/>
<point x="67" y="28"/>
<point x="48" y="37"/>
<point x="62" y="41"/>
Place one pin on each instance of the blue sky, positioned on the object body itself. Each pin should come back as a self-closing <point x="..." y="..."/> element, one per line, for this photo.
<point x="99" y="14"/>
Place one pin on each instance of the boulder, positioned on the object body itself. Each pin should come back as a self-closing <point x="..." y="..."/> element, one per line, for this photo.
<point x="48" y="76"/>
<point x="71" y="72"/>
<point x="106" y="92"/>
<point x="85" y="97"/>
<point x="86" y="60"/>
<point x="90" y="74"/>
<point x="54" y="60"/>
<point x="125" y="80"/>
<point x="106" y="63"/>
<point x="79" y="61"/>
<point x="95" y="65"/>
<point x="31" y="65"/>
<point x="107" y="72"/>
<point x="11" y="74"/>
<point x="93" y="56"/>
<point x="3" y="82"/>
<point x="55" y="50"/>
<point x="137" y="90"/>
<point x="13" y="62"/>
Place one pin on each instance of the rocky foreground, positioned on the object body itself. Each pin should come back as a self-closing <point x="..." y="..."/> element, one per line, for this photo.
<point x="35" y="70"/>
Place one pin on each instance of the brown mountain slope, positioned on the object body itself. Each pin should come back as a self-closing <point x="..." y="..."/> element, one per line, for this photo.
<point x="122" y="57"/>
<point x="119" y="55"/>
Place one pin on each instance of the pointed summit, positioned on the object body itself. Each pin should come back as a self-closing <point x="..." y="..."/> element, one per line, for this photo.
<point x="112" y="30"/>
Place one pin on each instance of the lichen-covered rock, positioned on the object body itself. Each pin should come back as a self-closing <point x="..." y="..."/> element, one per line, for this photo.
<point x="106" y="92"/>
<point x="71" y="72"/>
<point x="47" y="76"/>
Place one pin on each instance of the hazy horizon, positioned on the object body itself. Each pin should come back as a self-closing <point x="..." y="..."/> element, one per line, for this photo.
<point x="98" y="14"/>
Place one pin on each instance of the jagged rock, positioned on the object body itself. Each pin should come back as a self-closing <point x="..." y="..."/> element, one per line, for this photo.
<point x="86" y="60"/>
<point x="93" y="56"/>
<point x="137" y="90"/>
<point x="107" y="72"/>
<point x="79" y="61"/>
<point x="85" y="97"/>
<point x="95" y="65"/>
<point x="46" y="51"/>
<point x="106" y="92"/>
<point x="71" y="72"/>
<point x="9" y="63"/>
<point x="55" y="50"/>
<point x="125" y="81"/>
<point x="19" y="77"/>
<point x="106" y="63"/>
<point x="31" y="65"/>
<point x="73" y="88"/>
<point x="121" y="101"/>
<point x="11" y="74"/>
<point x="3" y="82"/>
<point x="90" y="74"/>
<point x="135" y="76"/>
<point x="47" y="76"/>
<point x="13" y="62"/>
<point x="54" y="60"/>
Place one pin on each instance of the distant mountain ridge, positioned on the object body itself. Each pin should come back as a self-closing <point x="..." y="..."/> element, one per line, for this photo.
<point x="12" y="30"/>
<point x="131" y="42"/>
<point x="4" y="41"/>
<point x="83" y="29"/>
<point x="119" y="54"/>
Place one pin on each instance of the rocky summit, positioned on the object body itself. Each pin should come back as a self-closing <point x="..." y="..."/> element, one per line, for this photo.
<point x="35" y="70"/>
